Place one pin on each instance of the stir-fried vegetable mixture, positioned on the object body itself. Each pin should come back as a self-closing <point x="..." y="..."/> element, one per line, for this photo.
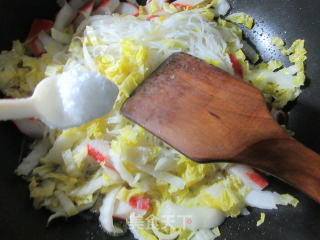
<point x="115" y="166"/>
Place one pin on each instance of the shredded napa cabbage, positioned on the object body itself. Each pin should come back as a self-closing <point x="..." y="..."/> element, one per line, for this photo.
<point x="242" y="18"/>
<point x="262" y="219"/>
<point x="67" y="178"/>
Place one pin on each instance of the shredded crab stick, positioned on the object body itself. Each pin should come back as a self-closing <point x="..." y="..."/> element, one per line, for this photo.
<point x="152" y="16"/>
<point x="137" y="204"/>
<point x="249" y="176"/>
<point x="126" y="8"/>
<point x="99" y="150"/>
<point x="106" y="7"/>
<point x="38" y="26"/>
<point x="113" y="208"/>
<point x="84" y="13"/>
<point x="36" y="47"/>
<point x="140" y="202"/>
<point x="186" y="3"/>
<point x="236" y="65"/>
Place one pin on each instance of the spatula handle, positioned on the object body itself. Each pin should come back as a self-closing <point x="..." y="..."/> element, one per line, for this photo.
<point x="288" y="160"/>
<point x="17" y="108"/>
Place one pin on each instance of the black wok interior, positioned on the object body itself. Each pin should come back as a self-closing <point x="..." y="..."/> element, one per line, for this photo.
<point x="289" y="19"/>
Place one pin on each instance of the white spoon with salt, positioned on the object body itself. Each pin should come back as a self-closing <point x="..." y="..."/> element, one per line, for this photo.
<point x="66" y="100"/>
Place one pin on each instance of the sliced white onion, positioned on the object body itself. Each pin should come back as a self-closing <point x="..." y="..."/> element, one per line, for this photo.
<point x="106" y="212"/>
<point x="123" y="210"/>
<point x="261" y="199"/>
<point x="192" y="218"/>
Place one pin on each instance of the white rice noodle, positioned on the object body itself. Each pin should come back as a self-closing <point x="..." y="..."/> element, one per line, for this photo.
<point x="88" y="60"/>
<point x="189" y="30"/>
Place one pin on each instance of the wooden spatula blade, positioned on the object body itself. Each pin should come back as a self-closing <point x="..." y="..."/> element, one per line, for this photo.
<point x="200" y="110"/>
<point x="209" y="115"/>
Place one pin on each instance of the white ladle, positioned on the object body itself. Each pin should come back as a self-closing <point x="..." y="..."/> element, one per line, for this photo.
<point x="66" y="100"/>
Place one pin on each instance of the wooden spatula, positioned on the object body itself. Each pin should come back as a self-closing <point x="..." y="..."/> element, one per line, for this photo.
<point x="210" y="116"/>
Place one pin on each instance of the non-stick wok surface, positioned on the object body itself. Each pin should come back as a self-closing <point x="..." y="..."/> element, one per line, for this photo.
<point x="289" y="19"/>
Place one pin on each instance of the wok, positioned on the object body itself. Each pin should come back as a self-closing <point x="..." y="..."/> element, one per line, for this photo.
<point x="289" y="19"/>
